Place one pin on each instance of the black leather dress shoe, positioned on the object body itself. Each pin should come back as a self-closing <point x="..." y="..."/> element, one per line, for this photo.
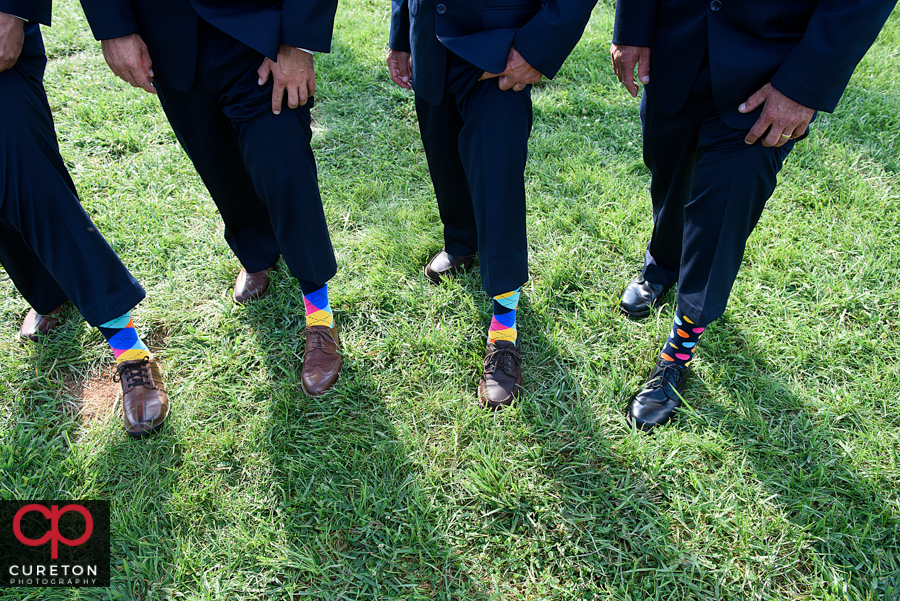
<point x="444" y="264"/>
<point x="641" y="297"/>
<point x="659" y="397"/>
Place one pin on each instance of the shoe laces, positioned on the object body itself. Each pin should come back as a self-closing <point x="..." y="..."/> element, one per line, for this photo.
<point x="502" y="358"/>
<point x="670" y="373"/>
<point x="318" y="339"/>
<point x="134" y="374"/>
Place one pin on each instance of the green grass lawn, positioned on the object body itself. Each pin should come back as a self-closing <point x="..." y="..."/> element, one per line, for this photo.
<point x="780" y="480"/>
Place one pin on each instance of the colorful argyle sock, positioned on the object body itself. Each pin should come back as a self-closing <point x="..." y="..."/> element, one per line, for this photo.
<point x="318" y="309"/>
<point x="679" y="348"/>
<point x="124" y="340"/>
<point x="503" y="324"/>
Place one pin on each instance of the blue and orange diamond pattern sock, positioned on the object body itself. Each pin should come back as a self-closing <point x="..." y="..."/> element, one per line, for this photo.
<point x="318" y="309"/>
<point x="503" y="324"/>
<point x="124" y="340"/>
<point x="682" y="342"/>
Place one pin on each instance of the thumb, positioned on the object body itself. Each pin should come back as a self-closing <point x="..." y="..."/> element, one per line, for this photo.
<point x="754" y="101"/>
<point x="644" y="71"/>
<point x="264" y="70"/>
<point x="148" y="65"/>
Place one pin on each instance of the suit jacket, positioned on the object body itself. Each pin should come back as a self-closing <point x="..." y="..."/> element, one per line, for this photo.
<point x="36" y="11"/>
<point x="169" y="27"/>
<point x="32" y="60"/>
<point x="807" y="49"/>
<point x="482" y="32"/>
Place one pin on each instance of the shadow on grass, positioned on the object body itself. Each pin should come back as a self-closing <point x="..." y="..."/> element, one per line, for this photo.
<point x="65" y="448"/>
<point x="351" y="520"/>
<point x="798" y="451"/>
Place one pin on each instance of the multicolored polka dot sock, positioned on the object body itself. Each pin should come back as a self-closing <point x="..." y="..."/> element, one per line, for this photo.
<point x="318" y="309"/>
<point x="124" y="340"/>
<point x="503" y="324"/>
<point x="679" y="348"/>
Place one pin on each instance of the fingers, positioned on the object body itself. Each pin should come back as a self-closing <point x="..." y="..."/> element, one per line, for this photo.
<point x="759" y="128"/>
<point x="505" y="82"/>
<point x="488" y="75"/>
<point x="277" y="97"/>
<point x="627" y="78"/>
<point x="265" y="69"/>
<point x="755" y="100"/>
<point x="129" y="59"/>
<point x="783" y="118"/>
<point x="624" y="60"/>
<point x="293" y="94"/>
<point x="400" y="68"/>
<point x="146" y="72"/>
<point x="644" y="66"/>
<point x="777" y="136"/>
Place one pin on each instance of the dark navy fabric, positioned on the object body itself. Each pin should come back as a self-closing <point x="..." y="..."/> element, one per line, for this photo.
<point x="476" y="135"/>
<point x="48" y="245"/>
<point x="258" y="167"/>
<point x="807" y="49"/>
<point x="709" y="189"/>
<point x="476" y="142"/>
<point x="169" y="28"/>
<point x="708" y="186"/>
<point x="482" y="32"/>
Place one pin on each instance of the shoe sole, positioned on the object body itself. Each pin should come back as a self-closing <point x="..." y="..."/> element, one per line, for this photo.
<point x="437" y="277"/>
<point x="147" y="432"/>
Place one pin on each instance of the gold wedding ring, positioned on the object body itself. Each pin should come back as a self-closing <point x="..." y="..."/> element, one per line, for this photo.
<point x="785" y="135"/>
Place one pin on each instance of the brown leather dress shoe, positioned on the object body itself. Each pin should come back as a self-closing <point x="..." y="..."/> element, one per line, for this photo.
<point x="251" y="286"/>
<point x="322" y="360"/>
<point x="444" y="264"/>
<point x="502" y="378"/>
<point x="144" y="398"/>
<point x="35" y="325"/>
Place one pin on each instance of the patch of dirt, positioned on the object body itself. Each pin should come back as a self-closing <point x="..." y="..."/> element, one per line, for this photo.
<point x="93" y="398"/>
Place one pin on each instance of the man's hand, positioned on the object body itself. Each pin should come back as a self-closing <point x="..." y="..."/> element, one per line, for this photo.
<point x="128" y="58"/>
<point x="624" y="59"/>
<point x="784" y="118"/>
<point x="12" y="36"/>
<point x="400" y="67"/>
<point x="517" y="75"/>
<point x="293" y="71"/>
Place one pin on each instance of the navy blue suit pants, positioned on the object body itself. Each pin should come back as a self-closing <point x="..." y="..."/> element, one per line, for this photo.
<point x="708" y="189"/>
<point x="48" y="244"/>
<point x="259" y="167"/>
<point x="476" y="143"/>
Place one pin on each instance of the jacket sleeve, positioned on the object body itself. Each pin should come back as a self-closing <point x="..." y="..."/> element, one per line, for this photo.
<point x="110" y="18"/>
<point x="548" y="38"/>
<point x="839" y="33"/>
<point x="399" y="36"/>
<point x="635" y="23"/>
<point x="308" y="24"/>
<point x="36" y="11"/>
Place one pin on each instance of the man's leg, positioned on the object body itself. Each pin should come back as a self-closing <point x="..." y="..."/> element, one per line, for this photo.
<point x="51" y="248"/>
<point x="440" y="127"/>
<point x="732" y="182"/>
<point x="209" y="140"/>
<point x="493" y="147"/>
<point x="277" y="155"/>
<point x="670" y="152"/>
